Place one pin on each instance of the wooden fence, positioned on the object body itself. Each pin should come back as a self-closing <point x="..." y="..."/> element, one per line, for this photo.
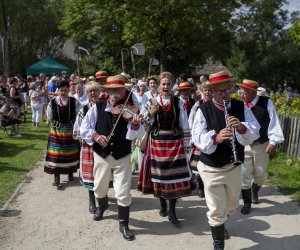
<point x="291" y="130"/>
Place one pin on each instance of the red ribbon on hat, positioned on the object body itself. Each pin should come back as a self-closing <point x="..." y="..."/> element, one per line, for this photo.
<point x="115" y="82"/>
<point x="219" y="78"/>
<point x="247" y="85"/>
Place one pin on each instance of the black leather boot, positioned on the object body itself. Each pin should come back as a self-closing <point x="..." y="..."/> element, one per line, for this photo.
<point x="226" y="234"/>
<point x="56" y="180"/>
<point x="92" y="202"/>
<point x="70" y="177"/>
<point x="164" y="207"/>
<point x="123" y="217"/>
<point x="218" y="237"/>
<point x="103" y="205"/>
<point x="246" y="195"/>
<point x="254" y="191"/>
<point x="201" y="189"/>
<point x="172" y="212"/>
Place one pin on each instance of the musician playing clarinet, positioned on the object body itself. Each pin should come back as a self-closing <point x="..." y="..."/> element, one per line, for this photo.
<point x="111" y="135"/>
<point x="214" y="134"/>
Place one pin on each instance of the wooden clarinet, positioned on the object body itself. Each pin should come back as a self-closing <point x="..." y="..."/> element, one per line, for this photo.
<point x="236" y="159"/>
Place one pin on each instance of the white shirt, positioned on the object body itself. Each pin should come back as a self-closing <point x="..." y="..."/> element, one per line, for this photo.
<point x="147" y="96"/>
<point x="82" y="99"/>
<point x="183" y="117"/>
<point x="87" y="128"/>
<point x="275" y="133"/>
<point x="203" y="139"/>
<point x="60" y="102"/>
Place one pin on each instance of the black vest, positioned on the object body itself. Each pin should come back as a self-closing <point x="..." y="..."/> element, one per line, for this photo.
<point x="260" y="111"/>
<point x="215" y="120"/>
<point x="118" y="145"/>
<point x="167" y="120"/>
<point x="63" y="114"/>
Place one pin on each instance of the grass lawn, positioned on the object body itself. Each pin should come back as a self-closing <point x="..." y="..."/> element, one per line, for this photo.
<point x="284" y="172"/>
<point x="19" y="155"/>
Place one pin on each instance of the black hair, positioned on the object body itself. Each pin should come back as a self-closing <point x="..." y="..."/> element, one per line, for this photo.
<point x="63" y="83"/>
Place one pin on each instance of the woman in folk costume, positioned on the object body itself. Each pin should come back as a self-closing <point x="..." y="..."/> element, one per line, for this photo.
<point x="62" y="151"/>
<point x="206" y="95"/>
<point x="152" y="92"/>
<point x="86" y="153"/>
<point x="165" y="171"/>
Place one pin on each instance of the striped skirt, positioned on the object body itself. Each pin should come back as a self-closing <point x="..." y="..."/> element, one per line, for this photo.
<point x="62" y="151"/>
<point x="86" y="166"/>
<point x="195" y="157"/>
<point x="165" y="171"/>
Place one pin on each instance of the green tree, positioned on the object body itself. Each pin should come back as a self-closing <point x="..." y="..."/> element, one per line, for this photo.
<point x="181" y="34"/>
<point x="34" y="31"/>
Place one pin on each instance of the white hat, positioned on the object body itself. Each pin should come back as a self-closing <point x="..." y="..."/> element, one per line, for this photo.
<point x="141" y="82"/>
<point x="53" y="78"/>
<point x="261" y="91"/>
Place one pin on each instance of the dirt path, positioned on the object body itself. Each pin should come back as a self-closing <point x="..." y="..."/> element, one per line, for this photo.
<point x="41" y="217"/>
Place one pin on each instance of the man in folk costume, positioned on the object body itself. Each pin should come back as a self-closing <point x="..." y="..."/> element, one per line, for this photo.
<point x="101" y="77"/>
<point x="184" y="89"/>
<point x="254" y="168"/>
<point x="112" y="156"/>
<point x="216" y="135"/>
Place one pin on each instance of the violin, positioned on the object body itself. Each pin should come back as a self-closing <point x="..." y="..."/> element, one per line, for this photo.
<point x="128" y="111"/>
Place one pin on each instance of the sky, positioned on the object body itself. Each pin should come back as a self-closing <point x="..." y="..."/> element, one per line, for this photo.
<point x="293" y="5"/>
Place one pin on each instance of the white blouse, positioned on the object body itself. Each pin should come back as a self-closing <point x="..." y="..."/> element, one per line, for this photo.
<point x="87" y="128"/>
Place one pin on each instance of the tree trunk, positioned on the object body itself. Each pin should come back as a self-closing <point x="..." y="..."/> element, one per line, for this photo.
<point x="163" y="52"/>
<point x="4" y="40"/>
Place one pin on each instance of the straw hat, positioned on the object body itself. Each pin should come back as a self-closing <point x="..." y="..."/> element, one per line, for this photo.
<point x="184" y="85"/>
<point x="113" y="82"/>
<point x="249" y="84"/>
<point x="219" y="77"/>
<point x="101" y="74"/>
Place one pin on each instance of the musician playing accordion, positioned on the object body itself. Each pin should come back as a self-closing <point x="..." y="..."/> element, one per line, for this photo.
<point x="214" y="134"/>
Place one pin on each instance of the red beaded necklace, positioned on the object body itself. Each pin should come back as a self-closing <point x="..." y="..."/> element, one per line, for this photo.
<point x="167" y="107"/>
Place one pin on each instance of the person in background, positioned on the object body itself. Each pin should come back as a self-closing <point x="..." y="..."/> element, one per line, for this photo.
<point x="36" y="105"/>
<point x="184" y="89"/>
<point x="254" y="168"/>
<point x="195" y="153"/>
<point x="10" y="114"/>
<point x="153" y="89"/>
<point x="24" y="89"/>
<point x="14" y="93"/>
<point x="52" y="87"/>
<point x="72" y="89"/>
<point x="4" y="86"/>
<point x="63" y="151"/>
<point x="138" y="96"/>
<point x="44" y="89"/>
<point x="86" y="152"/>
<point x="101" y="77"/>
<point x="80" y="95"/>
<point x="214" y="133"/>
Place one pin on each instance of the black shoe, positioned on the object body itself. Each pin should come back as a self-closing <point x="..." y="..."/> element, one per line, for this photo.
<point x="254" y="191"/>
<point x="70" y="177"/>
<point x="218" y="234"/>
<point x="92" y="202"/>
<point x="201" y="192"/>
<point x="56" y="180"/>
<point x="163" y="212"/>
<point x="246" y="195"/>
<point x="125" y="231"/>
<point x="123" y="217"/>
<point x="103" y="205"/>
<point x="226" y="234"/>
<point x="111" y="184"/>
<point x="172" y="212"/>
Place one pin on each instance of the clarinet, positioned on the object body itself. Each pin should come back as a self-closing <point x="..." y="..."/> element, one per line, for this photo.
<point x="236" y="159"/>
